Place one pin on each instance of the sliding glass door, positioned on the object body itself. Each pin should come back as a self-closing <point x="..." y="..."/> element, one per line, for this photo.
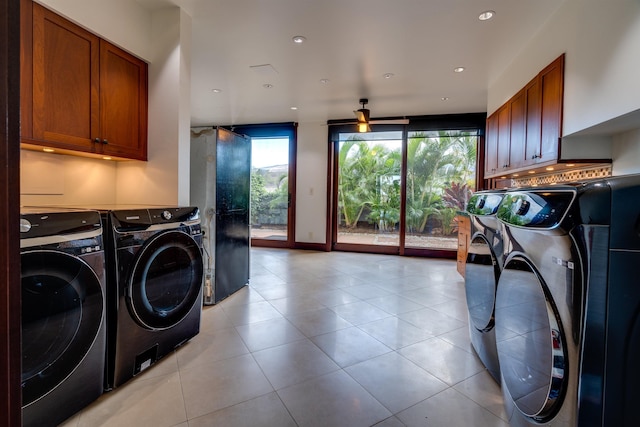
<point x="440" y="178"/>
<point x="398" y="190"/>
<point x="368" y="191"/>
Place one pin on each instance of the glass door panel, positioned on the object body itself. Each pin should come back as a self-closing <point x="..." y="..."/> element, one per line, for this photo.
<point x="369" y="188"/>
<point x="269" y="188"/>
<point x="440" y="179"/>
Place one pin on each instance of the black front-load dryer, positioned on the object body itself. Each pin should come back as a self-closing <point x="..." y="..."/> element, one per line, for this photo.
<point x="63" y="312"/>
<point x="154" y="277"/>
<point x="482" y="271"/>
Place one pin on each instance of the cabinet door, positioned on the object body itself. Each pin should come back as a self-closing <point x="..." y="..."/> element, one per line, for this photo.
<point x="551" y="81"/>
<point x="491" y="146"/>
<point x="532" y="142"/>
<point x="123" y="103"/>
<point x="504" y="133"/>
<point x="518" y="129"/>
<point x="65" y="82"/>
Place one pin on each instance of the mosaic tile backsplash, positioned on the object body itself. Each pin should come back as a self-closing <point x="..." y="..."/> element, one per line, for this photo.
<point x="568" y="176"/>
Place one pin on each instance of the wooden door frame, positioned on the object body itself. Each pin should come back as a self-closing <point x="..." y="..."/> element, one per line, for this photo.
<point x="10" y="370"/>
<point x="263" y="131"/>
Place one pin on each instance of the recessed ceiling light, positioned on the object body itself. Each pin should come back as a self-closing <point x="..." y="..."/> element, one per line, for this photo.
<point x="486" y="15"/>
<point x="267" y="85"/>
<point x="299" y="39"/>
<point x="216" y="90"/>
<point x="294" y="108"/>
<point x="106" y="158"/>
<point x="570" y="165"/>
<point x="458" y="69"/>
<point x="48" y="150"/>
<point x="445" y="98"/>
<point x="324" y="81"/>
<point x="387" y="75"/>
<point x="549" y="168"/>
<point x="532" y="171"/>
<point x="516" y="175"/>
<point x="503" y="177"/>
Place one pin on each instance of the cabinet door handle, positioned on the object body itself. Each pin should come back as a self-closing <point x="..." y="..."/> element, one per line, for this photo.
<point x="97" y="140"/>
<point x="104" y="141"/>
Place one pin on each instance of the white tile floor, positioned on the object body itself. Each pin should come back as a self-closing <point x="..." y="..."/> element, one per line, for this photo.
<point x="320" y="339"/>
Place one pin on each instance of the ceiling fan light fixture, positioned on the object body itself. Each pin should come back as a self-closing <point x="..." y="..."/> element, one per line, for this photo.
<point x="458" y="69"/>
<point x="299" y="39"/>
<point x="363" y="127"/>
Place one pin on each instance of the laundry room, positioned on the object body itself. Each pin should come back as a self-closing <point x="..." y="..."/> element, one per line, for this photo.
<point x="338" y="299"/>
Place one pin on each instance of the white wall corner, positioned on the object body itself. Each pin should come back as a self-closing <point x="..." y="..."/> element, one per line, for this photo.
<point x="157" y="180"/>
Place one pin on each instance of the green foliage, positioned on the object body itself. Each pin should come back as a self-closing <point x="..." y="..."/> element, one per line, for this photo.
<point x="440" y="170"/>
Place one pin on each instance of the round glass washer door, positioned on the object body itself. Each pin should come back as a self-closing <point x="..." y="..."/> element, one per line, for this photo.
<point x="62" y="311"/>
<point x="481" y="278"/>
<point x="166" y="280"/>
<point x="530" y="341"/>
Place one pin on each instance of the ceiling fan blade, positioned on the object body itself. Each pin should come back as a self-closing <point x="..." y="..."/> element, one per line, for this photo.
<point x="389" y="122"/>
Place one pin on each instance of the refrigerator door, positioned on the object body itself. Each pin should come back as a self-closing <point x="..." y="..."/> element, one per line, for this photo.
<point x="233" y="180"/>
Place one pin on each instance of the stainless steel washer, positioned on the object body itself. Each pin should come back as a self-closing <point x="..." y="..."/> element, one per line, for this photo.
<point x="482" y="271"/>
<point x="568" y="304"/>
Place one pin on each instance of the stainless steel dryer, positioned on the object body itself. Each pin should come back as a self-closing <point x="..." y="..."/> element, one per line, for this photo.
<point x="63" y="312"/>
<point x="482" y="271"/>
<point x="154" y="277"/>
<point x="568" y="304"/>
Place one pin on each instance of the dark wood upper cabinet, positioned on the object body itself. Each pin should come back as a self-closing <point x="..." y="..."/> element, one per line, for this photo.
<point x="86" y="95"/>
<point x="530" y="134"/>
<point x="532" y="140"/>
<point x="551" y="82"/>
<point x="491" y="146"/>
<point x="123" y="103"/>
<point x="504" y="148"/>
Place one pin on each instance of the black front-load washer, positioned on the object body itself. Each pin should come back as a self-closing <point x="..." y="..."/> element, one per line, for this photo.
<point x="154" y="281"/>
<point x="63" y="312"/>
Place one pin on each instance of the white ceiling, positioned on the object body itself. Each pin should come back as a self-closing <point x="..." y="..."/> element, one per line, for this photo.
<point x="352" y="43"/>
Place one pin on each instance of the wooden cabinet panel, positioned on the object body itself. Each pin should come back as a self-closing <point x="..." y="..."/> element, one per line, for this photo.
<point x="464" y="236"/>
<point x="80" y="93"/>
<point x="491" y="146"/>
<point x="123" y="103"/>
<point x="518" y="129"/>
<point x="65" y="81"/>
<point x="532" y="141"/>
<point x="551" y="81"/>
<point x="504" y="131"/>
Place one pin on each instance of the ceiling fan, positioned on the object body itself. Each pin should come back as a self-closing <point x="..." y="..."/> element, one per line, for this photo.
<point x="363" y="117"/>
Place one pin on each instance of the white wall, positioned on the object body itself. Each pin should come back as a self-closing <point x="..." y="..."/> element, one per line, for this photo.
<point x="164" y="178"/>
<point x="53" y="179"/>
<point x="601" y="40"/>
<point x="626" y="153"/>
<point x="311" y="183"/>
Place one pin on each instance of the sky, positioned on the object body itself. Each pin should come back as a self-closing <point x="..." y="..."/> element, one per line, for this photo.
<point x="269" y="152"/>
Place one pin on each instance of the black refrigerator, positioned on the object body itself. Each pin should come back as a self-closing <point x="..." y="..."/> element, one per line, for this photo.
<point x="220" y="187"/>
